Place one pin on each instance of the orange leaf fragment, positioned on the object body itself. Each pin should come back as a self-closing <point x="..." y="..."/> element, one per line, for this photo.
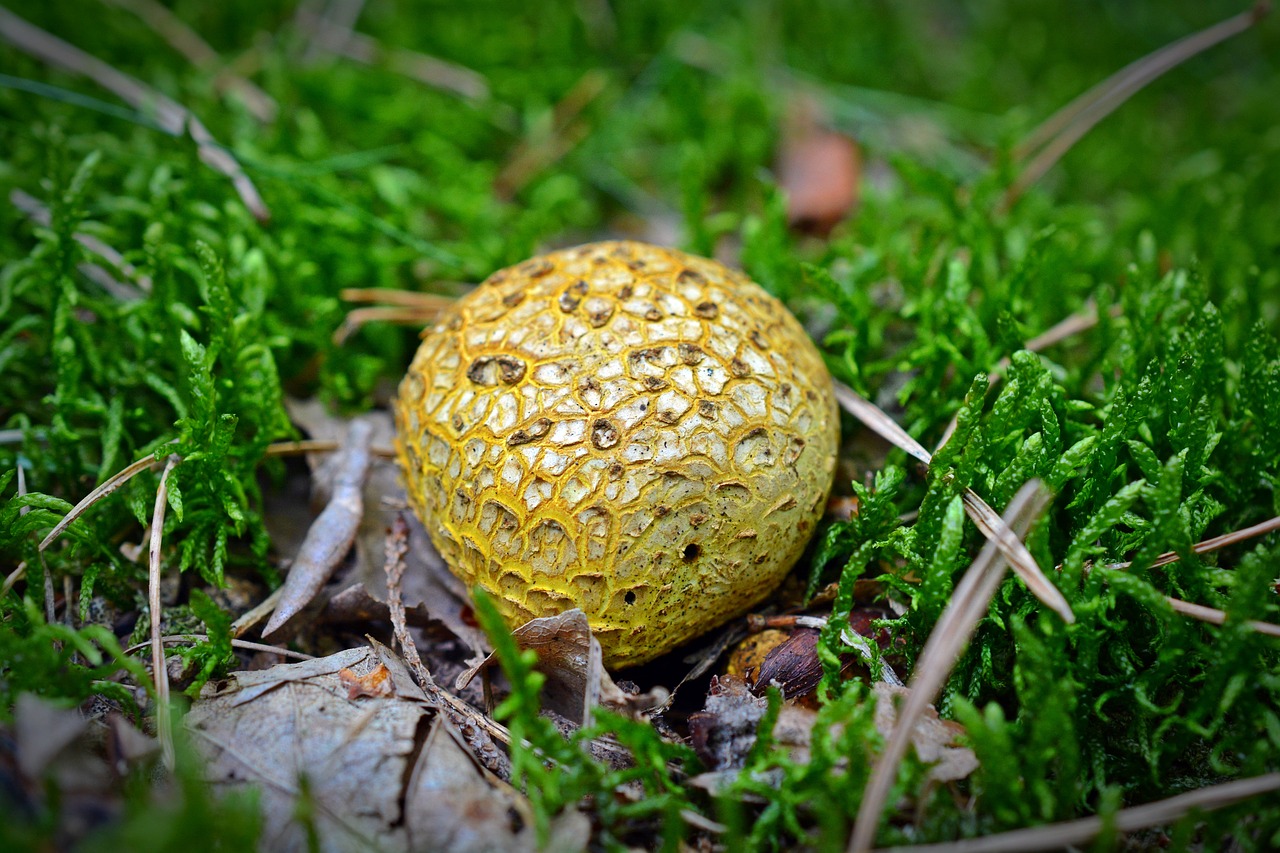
<point x="376" y="683"/>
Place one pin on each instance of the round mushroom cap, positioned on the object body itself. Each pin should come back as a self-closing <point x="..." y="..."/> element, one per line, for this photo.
<point x="632" y="430"/>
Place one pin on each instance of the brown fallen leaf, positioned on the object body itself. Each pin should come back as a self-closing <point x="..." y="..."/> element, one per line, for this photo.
<point x="819" y="171"/>
<point x="934" y="738"/>
<point x="724" y="732"/>
<point x="569" y="656"/>
<point x="56" y="760"/>
<point x="428" y="589"/>
<point x="374" y="780"/>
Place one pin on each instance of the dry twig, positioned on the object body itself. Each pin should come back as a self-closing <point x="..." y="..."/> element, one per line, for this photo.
<point x="1212" y="615"/>
<point x="397" y="546"/>
<point x="197" y="51"/>
<point x="428" y="70"/>
<point x="969" y="601"/>
<point x="1217" y="543"/>
<point x="40" y="215"/>
<point x="112" y="483"/>
<point x="1081" y="321"/>
<point x="171" y="116"/>
<point x="478" y="730"/>
<point x="539" y="151"/>
<point x="178" y="639"/>
<point x="360" y="316"/>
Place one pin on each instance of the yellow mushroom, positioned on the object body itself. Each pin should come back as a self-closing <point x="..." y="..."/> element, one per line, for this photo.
<point x="628" y="429"/>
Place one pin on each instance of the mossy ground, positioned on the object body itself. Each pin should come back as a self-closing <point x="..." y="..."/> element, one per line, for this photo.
<point x="1156" y="430"/>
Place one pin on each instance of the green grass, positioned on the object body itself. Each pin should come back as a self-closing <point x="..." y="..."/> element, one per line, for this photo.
<point x="1155" y="430"/>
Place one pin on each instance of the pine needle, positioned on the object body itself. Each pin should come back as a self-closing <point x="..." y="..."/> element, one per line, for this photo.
<point x="945" y="645"/>
<point x="171" y="115"/>
<point x="1056" y="136"/>
<point x="986" y="519"/>
<point x="1057" y="836"/>
<point x="114" y="482"/>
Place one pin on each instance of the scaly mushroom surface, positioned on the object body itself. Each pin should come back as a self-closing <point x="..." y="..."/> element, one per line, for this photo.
<point x="628" y="429"/>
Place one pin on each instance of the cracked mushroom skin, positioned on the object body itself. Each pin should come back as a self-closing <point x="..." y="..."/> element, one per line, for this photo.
<point x="638" y="432"/>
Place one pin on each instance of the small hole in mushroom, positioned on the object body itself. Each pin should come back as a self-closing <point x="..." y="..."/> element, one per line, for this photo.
<point x="630" y="597"/>
<point x="691" y="552"/>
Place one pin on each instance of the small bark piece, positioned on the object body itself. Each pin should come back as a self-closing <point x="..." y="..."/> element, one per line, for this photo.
<point x="330" y="537"/>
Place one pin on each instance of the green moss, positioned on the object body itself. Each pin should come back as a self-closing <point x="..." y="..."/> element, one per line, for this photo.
<point x="1154" y="431"/>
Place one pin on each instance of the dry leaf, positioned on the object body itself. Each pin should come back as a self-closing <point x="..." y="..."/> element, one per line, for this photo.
<point x="569" y="656"/>
<point x="330" y="536"/>
<point x="375" y="683"/>
<point x="819" y="170"/>
<point x="373" y="778"/>
<point x="933" y="738"/>
<point x="723" y="733"/>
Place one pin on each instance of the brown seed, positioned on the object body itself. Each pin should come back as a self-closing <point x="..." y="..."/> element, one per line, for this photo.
<point x="707" y="310"/>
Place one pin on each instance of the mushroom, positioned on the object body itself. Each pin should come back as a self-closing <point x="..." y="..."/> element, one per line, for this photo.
<point x="631" y="430"/>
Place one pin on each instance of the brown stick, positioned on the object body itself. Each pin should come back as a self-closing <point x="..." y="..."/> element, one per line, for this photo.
<point x="360" y="316"/>
<point x="319" y="445"/>
<point x="401" y="298"/>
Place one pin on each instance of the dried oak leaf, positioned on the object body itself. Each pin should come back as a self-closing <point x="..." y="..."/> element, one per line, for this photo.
<point x="383" y="772"/>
